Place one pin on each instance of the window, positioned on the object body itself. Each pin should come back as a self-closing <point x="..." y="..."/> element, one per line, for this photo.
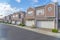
<point x="16" y="15"/>
<point x="41" y="11"/>
<point x="19" y="15"/>
<point x="49" y="9"/>
<point x="30" y="13"/>
<point x="9" y="17"/>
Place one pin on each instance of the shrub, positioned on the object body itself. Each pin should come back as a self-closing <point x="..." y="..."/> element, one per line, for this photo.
<point x="10" y="23"/>
<point x="55" y="30"/>
<point x="21" y="24"/>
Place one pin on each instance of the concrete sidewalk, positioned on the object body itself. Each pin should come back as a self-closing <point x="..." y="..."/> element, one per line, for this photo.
<point x="57" y="35"/>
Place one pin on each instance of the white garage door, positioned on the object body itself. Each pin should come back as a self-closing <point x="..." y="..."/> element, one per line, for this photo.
<point x="18" y="22"/>
<point x="13" y="22"/>
<point x="45" y="24"/>
<point x="29" y="23"/>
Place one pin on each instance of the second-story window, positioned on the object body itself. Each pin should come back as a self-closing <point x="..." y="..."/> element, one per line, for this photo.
<point x="30" y="13"/>
<point x="16" y="15"/>
<point x="9" y="17"/>
<point x="19" y="15"/>
<point x="40" y="12"/>
<point x="50" y="9"/>
<point x="22" y="16"/>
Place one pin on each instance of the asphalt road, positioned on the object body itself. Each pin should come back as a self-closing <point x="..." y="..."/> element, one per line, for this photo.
<point x="13" y="33"/>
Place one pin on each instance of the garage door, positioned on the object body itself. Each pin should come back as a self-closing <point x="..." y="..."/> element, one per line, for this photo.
<point x="13" y="22"/>
<point x="18" y="22"/>
<point x="59" y="24"/>
<point x="29" y="23"/>
<point x="45" y="24"/>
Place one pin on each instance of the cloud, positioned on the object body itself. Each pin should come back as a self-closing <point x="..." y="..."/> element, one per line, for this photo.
<point x="35" y="1"/>
<point x="54" y="0"/>
<point x="6" y="9"/>
<point x="59" y="2"/>
<point x="18" y="1"/>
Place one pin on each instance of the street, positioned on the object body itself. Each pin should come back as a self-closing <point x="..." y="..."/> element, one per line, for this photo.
<point x="14" y="33"/>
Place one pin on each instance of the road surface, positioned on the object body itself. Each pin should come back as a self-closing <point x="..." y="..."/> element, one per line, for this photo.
<point x="14" y="33"/>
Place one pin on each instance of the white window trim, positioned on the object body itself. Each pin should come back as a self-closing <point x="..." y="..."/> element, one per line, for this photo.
<point x="41" y="12"/>
<point x="30" y="12"/>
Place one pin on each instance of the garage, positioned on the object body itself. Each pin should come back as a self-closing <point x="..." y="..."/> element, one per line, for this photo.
<point x="59" y="24"/>
<point x="13" y="22"/>
<point x="29" y="23"/>
<point x="45" y="24"/>
<point x="18" y="22"/>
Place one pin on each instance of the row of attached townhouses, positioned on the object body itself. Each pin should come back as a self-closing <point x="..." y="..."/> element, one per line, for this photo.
<point x="15" y="18"/>
<point x="47" y="16"/>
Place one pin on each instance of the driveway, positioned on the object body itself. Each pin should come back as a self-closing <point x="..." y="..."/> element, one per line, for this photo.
<point x="14" y="33"/>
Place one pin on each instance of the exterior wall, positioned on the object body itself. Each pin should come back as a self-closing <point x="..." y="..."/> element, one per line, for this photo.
<point x="9" y="18"/>
<point x="59" y="12"/>
<point x="18" y="16"/>
<point x="41" y="14"/>
<point x="32" y="15"/>
<point x="1" y="19"/>
<point x="47" y="15"/>
<point x="5" y="19"/>
<point x="50" y="10"/>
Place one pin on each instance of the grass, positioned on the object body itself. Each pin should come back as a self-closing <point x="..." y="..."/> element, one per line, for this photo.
<point x="54" y="30"/>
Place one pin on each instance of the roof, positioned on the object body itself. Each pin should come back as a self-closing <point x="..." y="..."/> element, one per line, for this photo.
<point x="40" y="6"/>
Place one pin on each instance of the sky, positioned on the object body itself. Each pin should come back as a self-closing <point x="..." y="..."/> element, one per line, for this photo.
<point x="10" y="6"/>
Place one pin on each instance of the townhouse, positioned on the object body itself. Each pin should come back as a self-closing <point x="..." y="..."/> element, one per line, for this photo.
<point x="30" y="17"/>
<point x="43" y="16"/>
<point x="9" y="18"/>
<point x="47" y="16"/>
<point x="5" y="19"/>
<point x="18" y="17"/>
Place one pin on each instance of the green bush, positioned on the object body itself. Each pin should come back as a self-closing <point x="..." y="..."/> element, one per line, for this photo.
<point x="55" y="30"/>
<point x="21" y="24"/>
<point x="10" y="23"/>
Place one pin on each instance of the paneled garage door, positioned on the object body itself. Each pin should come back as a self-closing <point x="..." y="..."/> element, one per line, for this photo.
<point x="13" y="22"/>
<point x="45" y="24"/>
<point x="18" y="22"/>
<point x="29" y="23"/>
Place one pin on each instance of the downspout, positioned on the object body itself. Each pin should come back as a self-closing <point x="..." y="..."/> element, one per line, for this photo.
<point x="35" y="18"/>
<point x="56" y="12"/>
